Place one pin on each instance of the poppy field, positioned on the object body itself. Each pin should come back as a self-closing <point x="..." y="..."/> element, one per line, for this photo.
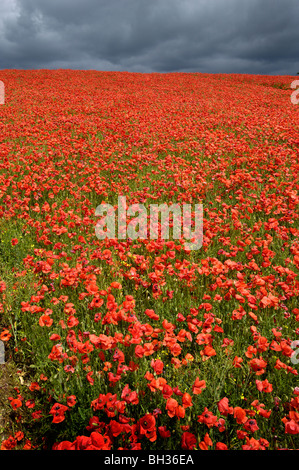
<point x="142" y="344"/>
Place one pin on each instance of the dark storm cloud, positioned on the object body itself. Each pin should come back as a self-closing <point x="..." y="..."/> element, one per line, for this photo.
<point x="228" y="36"/>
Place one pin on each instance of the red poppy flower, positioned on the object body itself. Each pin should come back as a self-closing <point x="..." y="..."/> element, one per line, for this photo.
<point x="5" y="335"/>
<point x="224" y="408"/>
<point x="164" y="433"/>
<point x="116" y="285"/>
<point x="240" y="415"/>
<point x="115" y="428"/>
<point x="258" y="365"/>
<point x="36" y="415"/>
<point x="207" y="418"/>
<point x="187" y="400"/>
<point x="221" y="425"/>
<point x="171" y="406"/>
<point x="198" y="386"/>
<point x="30" y="404"/>
<point x="9" y="443"/>
<point x="251" y="425"/>
<point x="147" y="424"/>
<point x="19" y="435"/>
<point x="221" y="446"/>
<point x="15" y="403"/>
<point x="71" y="400"/>
<point x="180" y="411"/>
<point x="157" y="365"/>
<point x="58" y="411"/>
<point x="188" y="441"/>
<point x="45" y="320"/>
<point x="264" y="386"/>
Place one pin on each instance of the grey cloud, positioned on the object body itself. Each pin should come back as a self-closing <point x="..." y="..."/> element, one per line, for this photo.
<point x="213" y="36"/>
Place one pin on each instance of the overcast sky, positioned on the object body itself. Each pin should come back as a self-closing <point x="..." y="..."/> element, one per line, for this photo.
<point x="209" y="36"/>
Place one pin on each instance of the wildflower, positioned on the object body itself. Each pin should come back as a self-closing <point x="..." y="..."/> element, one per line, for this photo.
<point x="188" y="441"/>
<point x="5" y="335"/>
<point x="207" y="418"/>
<point x="250" y="425"/>
<point x="224" y="408"/>
<point x="171" y="406"/>
<point x="164" y="433"/>
<point x="58" y="411"/>
<point x="264" y="386"/>
<point x="207" y="441"/>
<point x="147" y="424"/>
<point x="71" y="400"/>
<point x="198" y="386"/>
